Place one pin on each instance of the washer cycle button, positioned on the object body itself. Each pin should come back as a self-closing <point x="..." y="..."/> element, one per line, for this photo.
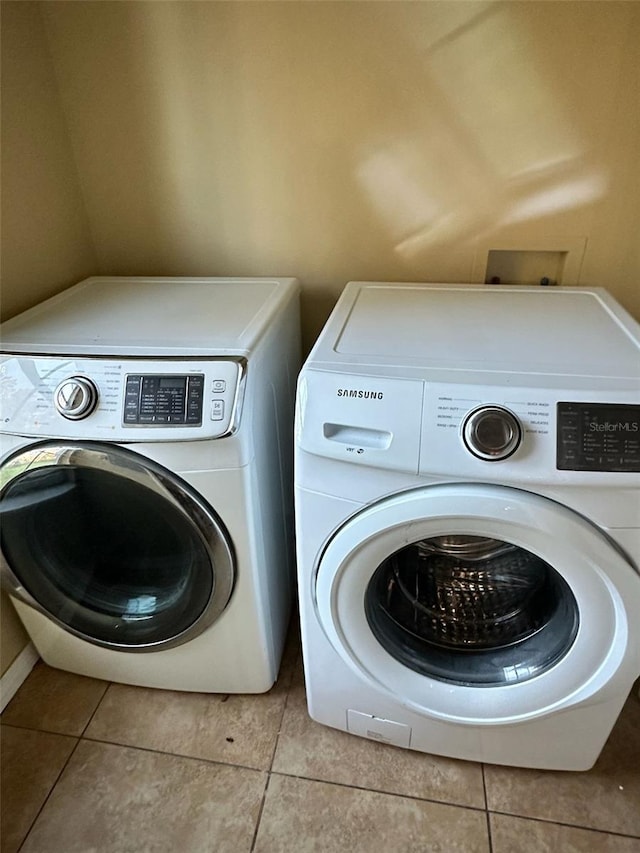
<point x="491" y="433"/>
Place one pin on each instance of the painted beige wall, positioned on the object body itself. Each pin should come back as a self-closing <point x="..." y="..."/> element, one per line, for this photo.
<point x="45" y="236"/>
<point x="336" y="141"/>
<point x="46" y="244"/>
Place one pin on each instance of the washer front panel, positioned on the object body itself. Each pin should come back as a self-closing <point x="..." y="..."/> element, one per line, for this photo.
<point x="606" y="588"/>
<point x="111" y="546"/>
<point x="421" y="426"/>
<point x="138" y="400"/>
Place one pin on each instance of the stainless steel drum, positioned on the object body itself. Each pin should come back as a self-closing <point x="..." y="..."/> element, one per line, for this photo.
<point x="468" y="592"/>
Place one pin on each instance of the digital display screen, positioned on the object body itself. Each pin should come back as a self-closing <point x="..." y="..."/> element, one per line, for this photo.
<point x="614" y="420"/>
<point x="172" y="381"/>
<point x="598" y="437"/>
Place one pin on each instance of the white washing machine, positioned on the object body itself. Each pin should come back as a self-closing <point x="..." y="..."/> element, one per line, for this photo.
<point x="467" y="487"/>
<point x="146" y="478"/>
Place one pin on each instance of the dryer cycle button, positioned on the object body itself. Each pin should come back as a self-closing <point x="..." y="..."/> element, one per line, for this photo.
<point x="491" y="433"/>
<point x="75" y="398"/>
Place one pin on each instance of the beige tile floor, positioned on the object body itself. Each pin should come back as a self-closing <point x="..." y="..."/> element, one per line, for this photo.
<point x="92" y="767"/>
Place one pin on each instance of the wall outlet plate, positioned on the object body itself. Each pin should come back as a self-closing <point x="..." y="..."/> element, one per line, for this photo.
<point x="527" y="261"/>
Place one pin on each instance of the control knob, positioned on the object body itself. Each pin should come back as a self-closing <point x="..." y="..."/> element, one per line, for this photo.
<point x="491" y="433"/>
<point x="75" y="398"/>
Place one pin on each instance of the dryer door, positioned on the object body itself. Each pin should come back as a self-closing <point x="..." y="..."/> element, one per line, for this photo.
<point x="111" y="546"/>
<point x="476" y="603"/>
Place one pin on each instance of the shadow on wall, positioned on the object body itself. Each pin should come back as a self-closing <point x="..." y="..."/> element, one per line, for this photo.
<point x="336" y="140"/>
<point x="504" y="153"/>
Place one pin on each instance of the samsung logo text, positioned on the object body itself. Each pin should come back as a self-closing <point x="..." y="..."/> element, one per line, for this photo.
<point x="360" y="394"/>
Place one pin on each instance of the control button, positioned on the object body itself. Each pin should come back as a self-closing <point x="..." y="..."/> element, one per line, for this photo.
<point x="75" y="398"/>
<point x="569" y="441"/>
<point x="611" y="459"/>
<point x="219" y="386"/>
<point x="491" y="433"/>
<point x="217" y="410"/>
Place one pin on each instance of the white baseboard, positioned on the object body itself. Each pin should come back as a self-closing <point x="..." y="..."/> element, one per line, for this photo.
<point x="12" y="680"/>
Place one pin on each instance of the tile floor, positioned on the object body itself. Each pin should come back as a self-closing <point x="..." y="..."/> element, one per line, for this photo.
<point x="103" y="768"/>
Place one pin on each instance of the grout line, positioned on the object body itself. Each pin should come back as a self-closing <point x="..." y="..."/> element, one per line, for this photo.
<point x="184" y="755"/>
<point x="56" y="731"/>
<point x="486" y="807"/>
<point x="379" y="791"/>
<point x="484" y="787"/>
<point x="260" y="812"/>
<point x="488" y="818"/>
<point x="53" y="786"/>
<point x="24" y="728"/>
<point x="284" y="709"/>
<point x="273" y="754"/>
<point x="566" y="825"/>
<point x="108" y="684"/>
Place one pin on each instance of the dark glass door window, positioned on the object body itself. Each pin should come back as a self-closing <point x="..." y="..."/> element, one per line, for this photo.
<point x="108" y="557"/>
<point x="471" y="610"/>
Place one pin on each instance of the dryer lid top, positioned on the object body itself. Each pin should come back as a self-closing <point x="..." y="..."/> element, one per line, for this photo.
<point x="582" y="332"/>
<point x="151" y="316"/>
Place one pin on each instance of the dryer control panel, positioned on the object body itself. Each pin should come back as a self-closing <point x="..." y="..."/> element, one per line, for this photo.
<point x="122" y="400"/>
<point x="165" y="399"/>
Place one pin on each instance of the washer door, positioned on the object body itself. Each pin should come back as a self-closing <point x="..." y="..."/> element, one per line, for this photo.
<point x="111" y="546"/>
<point x="474" y="603"/>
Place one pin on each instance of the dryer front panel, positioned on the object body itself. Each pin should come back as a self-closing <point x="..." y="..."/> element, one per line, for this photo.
<point x="478" y="604"/>
<point x="111" y="546"/>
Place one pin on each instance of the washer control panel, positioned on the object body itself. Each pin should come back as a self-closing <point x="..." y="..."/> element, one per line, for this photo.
<point x="529" y="435"/>
<point x="598" y="437"/>
<point x="505" y="433"/>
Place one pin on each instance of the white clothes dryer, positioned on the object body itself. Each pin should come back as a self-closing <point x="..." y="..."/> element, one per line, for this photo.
<point x="146" y="478"/>
<point x="467" y="487"/>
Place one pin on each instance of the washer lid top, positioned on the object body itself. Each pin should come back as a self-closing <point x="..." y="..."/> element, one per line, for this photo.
<point x="564" y="330"/>
<point x="151" y="316"/>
